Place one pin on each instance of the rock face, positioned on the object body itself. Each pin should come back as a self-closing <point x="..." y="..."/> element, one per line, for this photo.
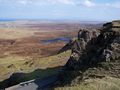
<point x="93" y="47"/>
<point x="94" y="51"/>
<point x="79" y="46"/>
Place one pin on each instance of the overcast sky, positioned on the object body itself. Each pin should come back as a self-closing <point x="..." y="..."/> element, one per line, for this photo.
<point x="60" y="9"/>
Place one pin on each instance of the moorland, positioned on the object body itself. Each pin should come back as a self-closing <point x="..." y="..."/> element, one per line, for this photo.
<point x="29" y="45"/>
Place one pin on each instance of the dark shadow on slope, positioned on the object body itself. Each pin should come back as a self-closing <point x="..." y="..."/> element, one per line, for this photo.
<point x="46" y="83"/>
<point x="17" y="78"/>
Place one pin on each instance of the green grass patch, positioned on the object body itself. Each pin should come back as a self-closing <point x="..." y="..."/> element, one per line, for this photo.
<point x="13" y="64"/>
<point x="107" y="83"/>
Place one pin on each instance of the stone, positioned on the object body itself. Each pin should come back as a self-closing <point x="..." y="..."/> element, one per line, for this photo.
<point x="95" y="54"/>
<point x="91" y="47"/>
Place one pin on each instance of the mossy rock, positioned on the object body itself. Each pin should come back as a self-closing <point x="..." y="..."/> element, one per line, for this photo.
<point x="116" y="24"/>
<point x="112" y="26"/>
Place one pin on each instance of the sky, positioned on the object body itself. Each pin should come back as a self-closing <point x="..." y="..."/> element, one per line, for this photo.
<point x="85" y="10"/>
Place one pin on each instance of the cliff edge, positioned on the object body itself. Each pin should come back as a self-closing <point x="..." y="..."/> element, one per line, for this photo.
<point x="94" y="54"/>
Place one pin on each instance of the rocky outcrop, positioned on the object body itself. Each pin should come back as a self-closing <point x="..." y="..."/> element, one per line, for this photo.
<point x="94" y="52"/>
<point x="93" y="47"/>
<point x="80" y="45"/>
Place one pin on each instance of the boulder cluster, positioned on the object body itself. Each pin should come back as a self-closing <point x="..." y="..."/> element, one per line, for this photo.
<point x="94" y="51"/>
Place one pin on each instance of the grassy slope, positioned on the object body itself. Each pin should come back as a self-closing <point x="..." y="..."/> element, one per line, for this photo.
<point x="12" y="64"/>
<point x="107" y="83"/>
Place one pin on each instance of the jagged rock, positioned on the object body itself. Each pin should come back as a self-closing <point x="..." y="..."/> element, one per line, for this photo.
<point x="91" y="47"/>
<point x="107" y="55"/>
<point x="87" y="35"/>
<point x="79" y="46"/>
<point x="95" y="50"/>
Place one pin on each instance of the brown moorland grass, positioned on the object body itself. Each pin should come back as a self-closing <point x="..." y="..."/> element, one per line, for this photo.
<point x="13" y="63"/>
<point x="107" y="83"/>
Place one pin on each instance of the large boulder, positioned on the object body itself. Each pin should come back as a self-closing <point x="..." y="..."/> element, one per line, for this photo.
<point x="80" y="45"/>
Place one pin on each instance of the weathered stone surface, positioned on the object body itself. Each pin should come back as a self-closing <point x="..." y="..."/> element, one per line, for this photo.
<point x="94" y="53"/>
<point x="91" y="47"/>
<point x="80" y="45"/>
